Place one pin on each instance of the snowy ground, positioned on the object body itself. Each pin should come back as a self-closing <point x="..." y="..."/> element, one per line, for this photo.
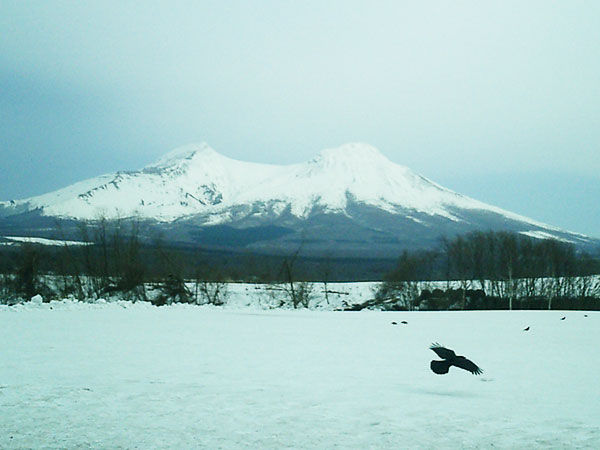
<point x="121" y="375"/>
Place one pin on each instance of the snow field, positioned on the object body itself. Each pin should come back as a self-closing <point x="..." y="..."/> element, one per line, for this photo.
<point x="122" y="375"/>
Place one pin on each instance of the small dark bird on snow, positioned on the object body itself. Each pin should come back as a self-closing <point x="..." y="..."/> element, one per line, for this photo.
<point x="526" y="329"/>
<point x="563" y="318"/>
<point x="451" y="359"/>
<point x="404" y="322"/>
<point x="585" y="315"/>
<point x="394" y="323"/>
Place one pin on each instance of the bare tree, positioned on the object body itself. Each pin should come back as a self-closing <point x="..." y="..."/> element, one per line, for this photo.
<point x="461" y="265"/>
<point x="210" y="287"/>
<point x="509" y="263"/>
<point x="298" y="293"/>
<point x="27" y="276"/>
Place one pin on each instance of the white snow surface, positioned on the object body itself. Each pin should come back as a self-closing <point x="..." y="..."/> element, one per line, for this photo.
<point x="538" y="234"/>
<point x="122" y="375"/>
<point x="196" y="180"/>
<point x="12" y="240"/>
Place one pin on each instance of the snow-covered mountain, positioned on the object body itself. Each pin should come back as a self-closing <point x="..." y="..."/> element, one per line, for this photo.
<point x="351" y="194"/>
<point x="196" y="180"/>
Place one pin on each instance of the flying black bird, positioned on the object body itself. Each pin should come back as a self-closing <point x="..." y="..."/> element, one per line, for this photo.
<point x="451" y="359"/>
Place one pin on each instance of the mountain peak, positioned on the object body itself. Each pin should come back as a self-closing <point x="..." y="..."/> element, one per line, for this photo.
<point x="349" y="158"/>
<point x="186" y="152"/>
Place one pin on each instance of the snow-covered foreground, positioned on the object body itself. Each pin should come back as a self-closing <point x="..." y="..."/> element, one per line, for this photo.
<point x="120" y="375"/>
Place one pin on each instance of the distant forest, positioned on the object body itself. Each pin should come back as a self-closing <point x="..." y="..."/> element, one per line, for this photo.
<point x="483" y="270"/>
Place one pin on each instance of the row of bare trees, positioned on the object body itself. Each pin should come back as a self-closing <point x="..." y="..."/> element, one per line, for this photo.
<point x="20" y="273"/>
<point x="109" y="259"/>
<point x="501" y="265"/>
<point x="116" y="262"/>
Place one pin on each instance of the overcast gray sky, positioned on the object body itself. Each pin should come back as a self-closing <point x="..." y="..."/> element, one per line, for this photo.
<point x="496" y="100"/>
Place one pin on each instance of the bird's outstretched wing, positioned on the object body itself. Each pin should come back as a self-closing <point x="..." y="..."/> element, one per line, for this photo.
<point x="467" y="364"/>
<point x="440" y="367"/>
<point x="442" y="352"/>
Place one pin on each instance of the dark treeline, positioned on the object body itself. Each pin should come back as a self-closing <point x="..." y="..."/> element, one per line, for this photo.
<point x="483" y="270"/>
<point x="494" y="270"/>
